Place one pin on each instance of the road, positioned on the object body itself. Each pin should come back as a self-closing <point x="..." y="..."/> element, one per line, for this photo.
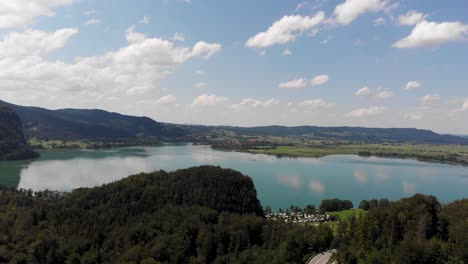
<point x="322" y="258"/>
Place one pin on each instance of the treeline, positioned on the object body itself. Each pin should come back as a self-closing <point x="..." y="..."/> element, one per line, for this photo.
<point x="199" y="215"/>
<point x="335" y="205"/>
<point x="412" y="230"/>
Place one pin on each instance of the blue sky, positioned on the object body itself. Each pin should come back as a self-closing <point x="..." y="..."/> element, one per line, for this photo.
<point x="376" y="63"/>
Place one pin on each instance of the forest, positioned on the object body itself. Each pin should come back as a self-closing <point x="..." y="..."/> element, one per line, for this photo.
<point x="212" y="215"/>
<point x="13" y="146"/>
<point x="198" y="215"/>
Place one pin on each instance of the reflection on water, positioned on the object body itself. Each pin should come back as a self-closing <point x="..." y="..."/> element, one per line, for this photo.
<point x="280" y="182"/>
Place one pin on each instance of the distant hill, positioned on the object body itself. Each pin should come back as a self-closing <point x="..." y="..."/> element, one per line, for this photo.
<point x="350" y="133"/>
<point x="12" y="143"/>
<point x="98" y="124"/>
<point x="89" y="124"/>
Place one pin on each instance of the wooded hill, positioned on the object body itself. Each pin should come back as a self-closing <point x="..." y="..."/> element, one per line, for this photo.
<point x="199" y="215"/>
<point x="70" y="124"/>
<point x="12" y="143"/>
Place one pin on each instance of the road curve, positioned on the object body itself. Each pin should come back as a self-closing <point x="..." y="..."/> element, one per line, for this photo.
<point x="322" y="258"/>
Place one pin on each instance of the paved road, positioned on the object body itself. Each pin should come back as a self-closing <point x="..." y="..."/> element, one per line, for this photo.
<point x="322" y="258"/>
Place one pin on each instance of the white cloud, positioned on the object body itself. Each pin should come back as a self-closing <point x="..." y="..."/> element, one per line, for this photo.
<point x="286" y="52"/>
<point x="205" y="50"/>
<point x="206" y="100"/>
<point x="200" y="85"/>
<point x="89" y="12"/>
<point x="429" y="99"/>
<point x="301" y="6"/>
<point x="167" y="99"/>
<point x="328" y="39"/>
<point x="465" y="106"/>
<point x="413" y="85"/>
<point x="384" y="94"/>
<point x="262" y="53"/>
<point x="319" y="80"/>
<point x="379" y="21"/>
<point x="350" y="10"/>
<point x="316" y="104"/>
<point x="363" y="112"/>
<point x="133" y="36"/>
<point x="249" y="102"/>
<point x="34" y="42"/>
<point x="136" y="69"/>
<point x="364" y="91"/>
<point x="21" y="13"/>
<point x="293" y="84"/>
<point x="200" y="72"/>
<point x="178" y="37"/>
<point x="411" y="18"/>
<point x="145" y="20"/>
<point x="93" y="22"/>
<point x="432" y="33"/>
<point x="285" y="30"/>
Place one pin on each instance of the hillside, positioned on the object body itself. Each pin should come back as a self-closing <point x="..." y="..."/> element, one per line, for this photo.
<point x="13" y="146"/>
<point x="198" y="215"/>
<point x="90" y="124"/>
<point x="70" y="124"/>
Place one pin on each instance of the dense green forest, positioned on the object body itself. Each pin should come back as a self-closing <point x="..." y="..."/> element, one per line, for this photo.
<point x="198" y="215"/>
<point x="13" y="146"/>
<point x="412" y="230"/>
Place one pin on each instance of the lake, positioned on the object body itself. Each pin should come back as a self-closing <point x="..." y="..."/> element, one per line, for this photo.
<point x="280" y="182"/>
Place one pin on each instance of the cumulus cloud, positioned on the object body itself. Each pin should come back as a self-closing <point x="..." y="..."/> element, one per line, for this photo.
<point x="178" y="37"/>
<point x="429" y="99"/>
<point x="465" y="106"/>
<point x="364" y="91"/>
<point x="411" y="18"/>
<point x="285" y="30"/>
<point x="167" y="99"/>
<point x="145" y="20"/>
<point x="350" y="10"/>
<point x="206" y="100"/>
<point x="34" y="42"/>
<point x="314" y="105"/>
<point x="364" y="112"/>
<point x="93" y="22"/>
<point x="21" y="13"/>
<point x="384" y="94"/>
<point x="133" y="70"/>
<point x="200" y="85"/>
<point x="319" y="80"/>
<point x="249" y="102"/>
<point x="133" y="36"/>
<point x="413" y="85"/>
<point x="432" y="33"/>
<point x="286" y="52"/>
<point x="379" y="21"/>
<point x="294" y="84"/>
<point x="205" y="50"/>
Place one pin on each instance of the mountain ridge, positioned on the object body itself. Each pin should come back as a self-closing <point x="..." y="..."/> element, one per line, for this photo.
<point x="72" y="123"/>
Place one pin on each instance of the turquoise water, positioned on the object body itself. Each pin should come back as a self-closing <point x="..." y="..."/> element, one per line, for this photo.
<point x="280" y="182"/>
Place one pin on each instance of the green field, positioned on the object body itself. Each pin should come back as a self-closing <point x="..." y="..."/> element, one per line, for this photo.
<point x="57" y="144"/>
<point x="347" y="214"/>
<point x="452" y="154"/>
